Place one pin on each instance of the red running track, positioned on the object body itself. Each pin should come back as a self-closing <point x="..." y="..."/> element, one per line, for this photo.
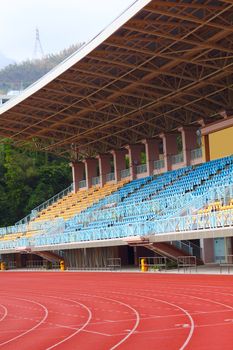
<point x="107" y="311"/>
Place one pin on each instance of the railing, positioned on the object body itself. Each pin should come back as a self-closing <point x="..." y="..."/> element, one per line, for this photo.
<point x="142" y="226"/>
<point x="188" y="247"/>
<point x="110" y="177"/>
<point x="196" y="153"/>
<point x="95" y="180"/>
<point x="82" y="184"/>
<point x="44" y="205"/>
<point x="159" y="164"/>
<point x="125" y="173"/>
<point x="177" y="158"/>
<point x="178" y="204"/>
<point x="152" y="207"/>
<point x="113" y="263"/>
<point x="13" y="229"/>
<point x="154" y="263"/>
<point x="42" y="226"/>
<point x="140" y="169"/>
<point x="187" y="263"/>
<point x="197" y="250"/>
<point x="179" y="224"/>
<point x="183" y="246"/>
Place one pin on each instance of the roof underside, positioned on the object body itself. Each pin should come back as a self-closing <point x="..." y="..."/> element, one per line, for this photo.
<point x="169" y="65"/>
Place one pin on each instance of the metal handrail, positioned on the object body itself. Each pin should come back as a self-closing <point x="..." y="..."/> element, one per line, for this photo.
<point x="196" y="153"/>
<point x="44" y="205"/>
<point x="82" y="183"/>
<point x="125" y="173"/>
<point x="140" y="169"/>
<point x="110" y="177"/>
<point x="159" y="164"/>
<point x="177" y="158"/>
<point x="95" y="180"/>
<point x="183" y="246"/>
<point x="178" y="224"/>
<point x="223" y="193"/>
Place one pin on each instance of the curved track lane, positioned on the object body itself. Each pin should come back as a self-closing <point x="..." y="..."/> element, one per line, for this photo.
<point x="108" y="311"/>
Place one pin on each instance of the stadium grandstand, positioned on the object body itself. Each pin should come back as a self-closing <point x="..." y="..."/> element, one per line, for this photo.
<point x="144" y="115"/>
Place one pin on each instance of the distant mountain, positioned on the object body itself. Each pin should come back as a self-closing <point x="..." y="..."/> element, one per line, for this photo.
<point x="18" y="76"/>
<point x="4" y="61"/>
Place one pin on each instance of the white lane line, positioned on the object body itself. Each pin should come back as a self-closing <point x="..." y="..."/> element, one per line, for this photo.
<point x="79" y="329"/>
<point x="84" y="330"/>
<point x="192" y="325"/>
<point x="129" y="307"/>
<point x="5" y="312"/>
<point x="94" y="332"/>
<point x="204" y="299"/>
<point x="210" y="301"/>
<point x="175" y="329"/>
<point x="174" y="305"/>
<point x="130" y="331"/>
<point x="31" y="329"/>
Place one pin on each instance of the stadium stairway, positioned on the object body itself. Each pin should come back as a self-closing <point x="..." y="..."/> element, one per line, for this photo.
<point x="49" y="256"/>
<point x="164" y="249"/>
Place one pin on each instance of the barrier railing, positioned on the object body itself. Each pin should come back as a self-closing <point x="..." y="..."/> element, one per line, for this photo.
<point x="196" y="153"/>
<point x="226" y="263"/>
<point x="189" y="223"/>
<point x="159" y="164"/>
<point x="155" y="263"/>
<point x="125" y="173"/>
<point x="96" y="267"/>
<point x="13" y="229"/>
<point x="95" y="180"/>
<point x="113" y="263"/>
<point x="44" y="205"/>
<point x="82" y="184"/>
<point x="32" y="226"/>
<point x="142" y="227"/>
<point x="223" y="193"/>
<point x="187" y="263"/>
<point x="189" y="247"/>
<point x="110" y="177"/>
<point x="41" y="264"/>
<point x="140" y="169"/>
<point x="177" y="158"/>
<point x="149" y="207"/>
<point x="11" y="265"/>
<point x="183" y="246"/>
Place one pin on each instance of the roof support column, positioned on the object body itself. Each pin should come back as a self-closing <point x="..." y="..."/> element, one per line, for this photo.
<point x="169" y="148"/>
<point x="119" y="162"/>
<point x="78" y="169"/>
<point x="189" y="142"/>
<point x="134" y="158"/>
<point x="152" y="154"/>
<point x="91" y="170"/>
<point x="104" y="166"/>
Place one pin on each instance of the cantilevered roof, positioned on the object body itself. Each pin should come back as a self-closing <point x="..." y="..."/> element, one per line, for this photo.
<point x="161" y="64"/>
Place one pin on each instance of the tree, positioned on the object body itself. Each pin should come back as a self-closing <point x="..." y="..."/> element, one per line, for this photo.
<point x="27" y="179"/>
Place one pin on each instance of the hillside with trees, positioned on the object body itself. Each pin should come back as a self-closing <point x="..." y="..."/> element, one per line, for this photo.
<point x="27" y="179"/>
<point x="19" y="76"/>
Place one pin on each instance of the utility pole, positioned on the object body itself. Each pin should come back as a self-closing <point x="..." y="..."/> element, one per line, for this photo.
<point x="38" y="50"/>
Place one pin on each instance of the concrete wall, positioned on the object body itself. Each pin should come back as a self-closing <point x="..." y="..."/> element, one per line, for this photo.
<point x="221" y="143"/>
<point x="208" y="250"/>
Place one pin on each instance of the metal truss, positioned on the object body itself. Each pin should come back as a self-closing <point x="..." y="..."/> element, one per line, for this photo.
<point x="170" y="65"/>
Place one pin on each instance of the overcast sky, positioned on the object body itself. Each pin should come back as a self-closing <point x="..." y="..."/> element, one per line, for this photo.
<point x="61" y="23"/>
